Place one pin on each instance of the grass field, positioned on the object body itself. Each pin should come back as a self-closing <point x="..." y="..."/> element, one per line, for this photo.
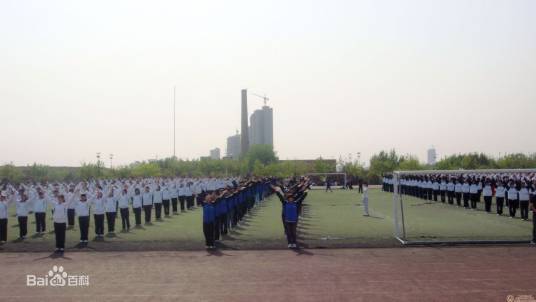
<point x="329" y="220"/>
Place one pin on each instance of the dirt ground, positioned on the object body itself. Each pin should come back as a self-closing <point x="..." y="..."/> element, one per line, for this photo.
<point x="386" y="274"/>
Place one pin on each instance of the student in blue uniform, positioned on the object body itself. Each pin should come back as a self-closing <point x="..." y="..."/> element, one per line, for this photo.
<point x="290" y="212"/>
<point x="209" y="217"/>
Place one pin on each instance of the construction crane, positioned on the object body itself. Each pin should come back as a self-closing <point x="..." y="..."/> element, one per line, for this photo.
<point x="262" y="97"/>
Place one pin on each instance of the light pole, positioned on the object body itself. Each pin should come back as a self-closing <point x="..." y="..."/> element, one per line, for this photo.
<point x="98" y="163"/>
<point x="174" y="115"/>
<point x="111" y="159"/>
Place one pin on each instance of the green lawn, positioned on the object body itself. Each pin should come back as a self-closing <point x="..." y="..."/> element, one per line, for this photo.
<point x="329" y="220"/>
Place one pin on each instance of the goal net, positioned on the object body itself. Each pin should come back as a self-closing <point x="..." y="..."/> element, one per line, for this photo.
<point x="320" y="180"/>
<point x="462" y="206"/>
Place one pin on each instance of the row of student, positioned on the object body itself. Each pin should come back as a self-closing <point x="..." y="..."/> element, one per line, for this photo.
<point x="225" y="208"/>
<point x="101" y="198"/>
<point x="514" y="191"/>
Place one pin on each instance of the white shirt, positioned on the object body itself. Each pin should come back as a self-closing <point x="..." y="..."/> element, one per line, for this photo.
<point x="524" y="194"/>
<point x="499" y="192"/>
<point x="157" y="196"/>
<point x="147" y="198"/>
<point x="124" y="199"/>
<point x="22" y="208"/>
<point x="60" y="212"/>
<point x="3" y="209"/>
<point x="512" y="194"/>
<point x="136" y="201"/>
<point x="40" y="205"/>
<point x="473" y="189"/>
<point x="487" y="191"/>
<point x="98" y="205"/>
<point x="81" y="208"/>
<point x="110" y="205"/>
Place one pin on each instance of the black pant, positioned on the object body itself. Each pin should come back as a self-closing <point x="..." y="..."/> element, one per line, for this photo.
<point x="208" y="231"/>
<point x="3" y="229"/>
<point x="217" y="230"/>
<point x="125" y="221"/>
<point x="436" y="192"/>
<point x="224" y="224"/>
<point x="23" y="226"/>
<point x="512" y="207"/>
<point x="40" y="222"/>
<point x="181" y="200"/>
<point x="190" y="201"/>
<point x="147" y="209"/>
<point x="291" y="232"/>
<point x="83" y="223"/>
<point x="158" y="210"/>
<point x="524" y="209"/>
<point x="70" y="217"/>
<point x="137" y="215"/>
<point x="458" y="198"/>
<point x="450" y="197"/>
<point x="466" y="197"/>
<point x="174" y="205"/>
<point x="534" y="226"/>
<point x="110" y="219"/>
<point x="487" y="203"/>
<point x="474" y="200"/>
<point x="442" y="193"/>
<point x="500" y="204"/>
<point x="59" y="231"/>
<point x="99" y="224"/>
<point x="166" y="207"/>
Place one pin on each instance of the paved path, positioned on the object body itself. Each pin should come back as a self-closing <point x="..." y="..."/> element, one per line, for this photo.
<point x="399" y="274"/>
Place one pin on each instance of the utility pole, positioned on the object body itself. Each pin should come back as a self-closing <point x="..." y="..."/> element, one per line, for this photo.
<point x="98" y="163"/>
<point x="174" y="154"/>
<point x="111" y="158"/>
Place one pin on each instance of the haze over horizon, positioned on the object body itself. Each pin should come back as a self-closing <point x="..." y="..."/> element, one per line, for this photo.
<point x="342" y="77"/>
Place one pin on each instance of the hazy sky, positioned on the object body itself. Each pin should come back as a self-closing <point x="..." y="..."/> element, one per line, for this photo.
<point x="342" y="76"/>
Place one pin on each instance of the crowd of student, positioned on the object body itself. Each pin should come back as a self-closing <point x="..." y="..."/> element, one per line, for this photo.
<point x="511" y="190"/>
<point x="229" y="200"/>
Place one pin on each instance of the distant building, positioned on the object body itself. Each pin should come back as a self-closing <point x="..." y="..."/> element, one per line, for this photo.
<point x="431" y="156"/>
<point x="244" y="147"/>
<point x="233" y="146"/>
<point x="261" y="130"/>
<point x="215" y="153"/>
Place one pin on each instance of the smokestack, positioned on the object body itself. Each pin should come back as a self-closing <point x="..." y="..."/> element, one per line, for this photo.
<point x="244" y="139"/>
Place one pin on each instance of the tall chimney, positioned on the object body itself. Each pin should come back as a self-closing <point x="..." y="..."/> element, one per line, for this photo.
<point x="244" y="139"/>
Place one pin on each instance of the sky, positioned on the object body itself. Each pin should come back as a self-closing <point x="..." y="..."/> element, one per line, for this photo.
<point x="81" y="77"/>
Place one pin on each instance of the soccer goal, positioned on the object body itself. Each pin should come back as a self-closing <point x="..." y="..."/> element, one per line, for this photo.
<point x="319" y="180"/>
<point x="461" y="206"/>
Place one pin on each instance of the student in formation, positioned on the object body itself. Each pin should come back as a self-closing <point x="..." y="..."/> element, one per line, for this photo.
<point x="147" y="202"/>
<point x="123" y="203"/>
<point x="450" y="191"/>
<point x="488" y="195"/>
<point x="209" y="218"/>
<point x="71" y="213"/>
<point x="513" y="201"/>
<point x="136" y="206"/>
<point x="466" y="193"/>
<point x="500" y="193"/>
<point x="443" y="189"/>
<point x="174" y="198"/>
<point x="166" y="197"/>
<point x="157" y="200"/>
<point x="533" y="209"/>
<point x="4" y="205"/>
<point x="40" y="209"/>
<point x="435" y="189"/>
<point x="291" y="220"/>
<point x="97" y="203"/>
<point x="473" y="191"/>
<point x="60" y="221"/>
<point x="182" y="197"/>
<point x="110" y="207"/>
<point x="524" y="196"/>
<point x="82" y="211"/>
<point x="458" y="191"/>
<point x="22" y="210"/>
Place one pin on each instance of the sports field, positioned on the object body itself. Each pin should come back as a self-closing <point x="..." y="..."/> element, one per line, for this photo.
<point x="329" y="220"/>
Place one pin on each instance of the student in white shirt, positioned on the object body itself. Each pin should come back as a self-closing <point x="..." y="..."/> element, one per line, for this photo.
<point x="97" y="204"/>
<point x="450" y="192"/>
<point x="71" y="213"/>
<point x="500" y="193"/>
<point x="488" y="194"/>
<point x="466" y="195"/>
<point x="182" y="197"/>
<point x="166" y="197"/>
<point x="513" y="200"/>
<point x="473" y="190"/>
<point x="110" y="206"/>
<point x="4" y="206"/>
<point x="524" y="197"/>
<point x="40" y="209"/>
<point x="136" y="206"/>
<point x="22" y="210"/>
<point x="81" y="208"/>
<point x="60" y="221"/>
<point x="365" y="200"/>
<point x="174" y="198"/>
<point x="124" y="200"/>
<point x="157" y="200"/>
<point x="147" y="202"/>
<point x="458" y="190"/>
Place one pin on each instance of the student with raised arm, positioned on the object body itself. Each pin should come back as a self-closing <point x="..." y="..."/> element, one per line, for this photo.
<point x="60" y="221"/>
<point x="124" y="200"/>
<point x="71" y="213"/>
<point x="209" y="220"/>
<point x="81" y="208"/>
<point x="40" y="209"/>
<point x="110" y="206"/>
<point x="166" y="197"/>
<point x="290" y="211"/>
<point x="513" y="199"/>
<point x="500" y="193"/>
<point x="524" y="196"/>
<point x="488" y="194"/>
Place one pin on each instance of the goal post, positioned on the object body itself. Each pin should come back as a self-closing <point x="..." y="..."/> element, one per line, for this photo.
<point x="337" y="179"/>
<point x="419" y="221"/>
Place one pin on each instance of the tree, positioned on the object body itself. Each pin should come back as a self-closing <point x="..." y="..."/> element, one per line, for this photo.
<point x="263" y="153"/>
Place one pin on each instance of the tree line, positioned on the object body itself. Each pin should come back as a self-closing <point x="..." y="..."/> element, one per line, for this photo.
<point x="261" y="160"/>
